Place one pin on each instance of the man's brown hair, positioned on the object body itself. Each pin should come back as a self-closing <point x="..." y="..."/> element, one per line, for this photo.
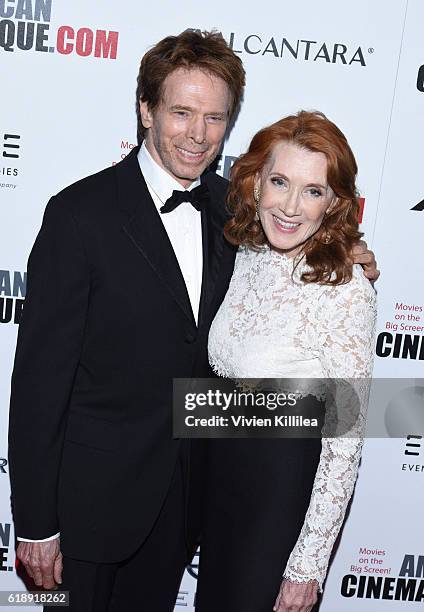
<point x="191" y="49"/>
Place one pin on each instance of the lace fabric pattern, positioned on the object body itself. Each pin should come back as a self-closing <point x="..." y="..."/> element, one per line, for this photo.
<point x="271" y="324"/>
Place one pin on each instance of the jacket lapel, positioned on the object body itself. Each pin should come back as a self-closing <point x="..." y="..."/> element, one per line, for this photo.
<point x="146" y="231"/>
<point x="213" y="220"/>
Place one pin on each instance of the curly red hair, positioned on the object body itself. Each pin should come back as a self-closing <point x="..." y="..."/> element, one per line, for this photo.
<point x="328" y="251"/>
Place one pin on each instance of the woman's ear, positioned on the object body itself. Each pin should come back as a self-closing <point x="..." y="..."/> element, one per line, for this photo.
<point x="257" y="193"/>
<point x="257" y="187"/>
<point x="257" y="181"/>
<point x="146" y="115"/>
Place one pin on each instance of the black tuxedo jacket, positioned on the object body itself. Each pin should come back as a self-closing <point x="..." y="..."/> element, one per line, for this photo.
<point x="107" y="324"/>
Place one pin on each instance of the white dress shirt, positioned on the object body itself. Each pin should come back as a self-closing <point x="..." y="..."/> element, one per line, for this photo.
<point x="184" y="228"/>
<point x="183" y="225"/>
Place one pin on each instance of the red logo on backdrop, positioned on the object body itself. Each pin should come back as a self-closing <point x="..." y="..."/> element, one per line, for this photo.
<point x="126" y="147"/>
<point x="85" y="42"/>
<point x="25" y="25"/>
<point x="361" y="202"/>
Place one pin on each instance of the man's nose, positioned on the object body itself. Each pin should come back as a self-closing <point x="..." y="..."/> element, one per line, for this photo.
<point x="197" y="130"/>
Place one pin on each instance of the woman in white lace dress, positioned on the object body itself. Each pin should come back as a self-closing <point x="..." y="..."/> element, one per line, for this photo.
<point x="295" y="307"/>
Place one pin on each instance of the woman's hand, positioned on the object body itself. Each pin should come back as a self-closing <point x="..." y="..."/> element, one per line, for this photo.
<point x="294" y="597"/>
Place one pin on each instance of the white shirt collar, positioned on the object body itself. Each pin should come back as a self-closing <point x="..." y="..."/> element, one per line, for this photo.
<point x="162" y="183"/>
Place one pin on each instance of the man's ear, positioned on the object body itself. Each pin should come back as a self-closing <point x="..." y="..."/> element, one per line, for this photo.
<point x="146" y="115"/>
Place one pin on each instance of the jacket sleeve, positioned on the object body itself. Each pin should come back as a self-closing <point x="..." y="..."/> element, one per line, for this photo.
<point x="49" y="345"/>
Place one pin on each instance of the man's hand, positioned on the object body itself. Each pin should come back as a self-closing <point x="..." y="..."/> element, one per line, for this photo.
<point x="42" y="561"/>
<point x="294" y="597"/>
<point x="366" y="258"/>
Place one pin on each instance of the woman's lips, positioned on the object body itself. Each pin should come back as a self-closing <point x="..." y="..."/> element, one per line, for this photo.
<point x="285" y="226"/>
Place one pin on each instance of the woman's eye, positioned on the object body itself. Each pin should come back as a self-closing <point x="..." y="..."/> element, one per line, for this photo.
<point x="279" y="182"/>
<point x="316" y="193"/>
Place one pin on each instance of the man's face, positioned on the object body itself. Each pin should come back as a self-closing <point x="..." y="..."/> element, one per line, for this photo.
<point x="185" y="131"/>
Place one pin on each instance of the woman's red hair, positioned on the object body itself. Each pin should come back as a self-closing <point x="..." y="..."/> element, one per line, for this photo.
<point x="328" y="251"/>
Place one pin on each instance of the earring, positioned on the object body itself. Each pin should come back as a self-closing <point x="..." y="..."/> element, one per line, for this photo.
<point x="256" y="197"/>
<point x="327" y="238"/>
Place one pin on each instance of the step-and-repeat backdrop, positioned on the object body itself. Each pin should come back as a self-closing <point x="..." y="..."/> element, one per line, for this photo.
<point x="68" y="75"/>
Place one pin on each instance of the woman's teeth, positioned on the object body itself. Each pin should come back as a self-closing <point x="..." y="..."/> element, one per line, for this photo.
<point x="285" y="224"/>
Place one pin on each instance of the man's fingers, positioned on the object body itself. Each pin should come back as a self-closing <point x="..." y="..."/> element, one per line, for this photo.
<point x="362" y="255"/>
<point x="372" y="274"/>
<point x="277" y="602"/>
<point x="37" y="576"/>
<point x="48" y="580"/>
<point x="359" y="247"/>
<point x="42" y="561"/>
<point x="42" y="574"/>
<point x="57" y="570"/>
<point x="364" y="258"/>
<point x="23" y="554"/>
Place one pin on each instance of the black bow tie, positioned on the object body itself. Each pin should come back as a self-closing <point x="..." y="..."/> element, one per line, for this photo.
<point x="198" y="197"/>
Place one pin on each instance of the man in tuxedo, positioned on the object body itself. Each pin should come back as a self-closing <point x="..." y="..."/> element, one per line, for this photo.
<point x="137" y="279"/>
<point x="100" y="488"/>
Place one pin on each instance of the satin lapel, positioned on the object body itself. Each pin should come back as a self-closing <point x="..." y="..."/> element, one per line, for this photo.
<point x="146" y="231"/>
<point x="213" y="244"/>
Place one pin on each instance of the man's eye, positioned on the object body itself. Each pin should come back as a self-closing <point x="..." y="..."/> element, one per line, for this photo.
<point x="215" y="118"/>
<point x="180" y="113"/>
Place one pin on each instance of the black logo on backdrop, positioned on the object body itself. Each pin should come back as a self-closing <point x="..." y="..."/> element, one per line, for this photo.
<point x="181" y="599"/>
<point x="193" y="568"/>
<point x="12" y="295"/>
<point x="400" y="346"/>
<point x="3" y="464"/>
<point x="413" y="445"/>
<point x="296" y="49"/>
<point x="4" y="547"/>
<point x="413" y="448"/>
<point x="11" y="145"/>
<point x="10" y="153"/>
<point x="407" y="586"/>
<point x="25" y="25"/>
<point x="419" y="206"/>
<point x="300" y="49"/>
<point x="223" y="164"/>
<point x="420" y="79"/>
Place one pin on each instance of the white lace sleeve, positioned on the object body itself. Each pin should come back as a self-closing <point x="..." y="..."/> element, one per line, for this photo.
<point x="346" y="341"/>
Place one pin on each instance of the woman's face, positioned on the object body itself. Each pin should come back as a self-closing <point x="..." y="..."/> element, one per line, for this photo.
<point x="294" y="196"/>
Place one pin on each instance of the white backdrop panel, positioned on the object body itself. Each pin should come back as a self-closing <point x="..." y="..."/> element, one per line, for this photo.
<point x="75" y="115"/>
